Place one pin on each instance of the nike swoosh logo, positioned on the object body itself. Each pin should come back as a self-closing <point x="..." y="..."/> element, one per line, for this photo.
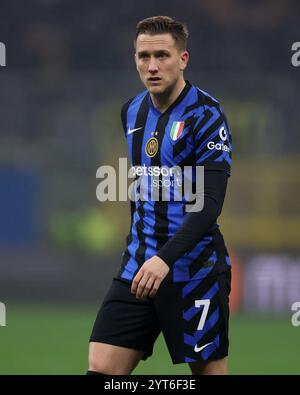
<point x="198" y="349"/>
<point x="133" y="130"/>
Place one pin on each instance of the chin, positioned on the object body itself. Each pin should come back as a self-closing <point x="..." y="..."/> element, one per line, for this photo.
<point x="156" y="90"/>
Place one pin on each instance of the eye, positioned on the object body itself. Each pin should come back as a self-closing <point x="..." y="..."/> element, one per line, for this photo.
<point x="143" y="56"/>
<point x="163" y="55"/>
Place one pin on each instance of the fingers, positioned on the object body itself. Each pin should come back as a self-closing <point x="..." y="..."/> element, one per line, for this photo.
<point x="154" y="289"/>
<point x="147" y="288"/>
<point x="142" y="286"/>
<point x="148" y="279"/>
<point x="135" y="281"/>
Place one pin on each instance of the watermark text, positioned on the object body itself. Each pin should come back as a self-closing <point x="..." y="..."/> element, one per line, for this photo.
<point x="296" y="316"/>
<point x="2" y="54"/>
<point x="152" y="184"/>
<point x="295" y="59"/>
<point x="2" y="314"/>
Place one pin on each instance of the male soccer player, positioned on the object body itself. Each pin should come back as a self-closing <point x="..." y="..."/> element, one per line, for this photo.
<point x="175" y="275"/>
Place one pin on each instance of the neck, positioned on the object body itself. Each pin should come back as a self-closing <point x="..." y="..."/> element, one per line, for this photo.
<point x="162" y="102"/>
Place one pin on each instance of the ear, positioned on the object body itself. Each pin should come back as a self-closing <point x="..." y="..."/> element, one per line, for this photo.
<point x="184" y="58"/>
<point x="135" y="60"/>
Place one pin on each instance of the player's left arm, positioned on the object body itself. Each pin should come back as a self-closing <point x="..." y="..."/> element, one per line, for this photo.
<point x="195" y="225"/>
<point x="216" y="164"/>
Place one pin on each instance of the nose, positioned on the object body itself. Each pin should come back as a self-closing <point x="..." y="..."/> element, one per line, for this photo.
<point x="152" y="68"/>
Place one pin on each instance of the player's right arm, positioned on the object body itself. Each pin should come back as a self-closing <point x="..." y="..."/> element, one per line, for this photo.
<point x="124" y="110"/>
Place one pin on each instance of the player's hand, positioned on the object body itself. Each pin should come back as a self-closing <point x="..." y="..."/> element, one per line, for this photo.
<point x="149" y="277"/>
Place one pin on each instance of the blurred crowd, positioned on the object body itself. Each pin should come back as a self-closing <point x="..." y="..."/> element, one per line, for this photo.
<point x="231" y="34"/>
<point x="70" y="68"/>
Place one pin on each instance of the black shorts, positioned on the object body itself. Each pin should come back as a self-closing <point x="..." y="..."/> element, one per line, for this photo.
<point x="193" y="317"/>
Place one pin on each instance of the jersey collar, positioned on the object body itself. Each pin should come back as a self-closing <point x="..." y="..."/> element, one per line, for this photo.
<point x="181" y="96"/>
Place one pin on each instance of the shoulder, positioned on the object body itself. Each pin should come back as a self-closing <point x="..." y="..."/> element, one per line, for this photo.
<point x="206" y="102"/>
<point x="133" y="103"/>
<point x="209" y="119"/>
<point x="207" y="110"/>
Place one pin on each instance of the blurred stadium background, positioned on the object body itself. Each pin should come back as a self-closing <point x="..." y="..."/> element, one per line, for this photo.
<point x="69" y="68"/>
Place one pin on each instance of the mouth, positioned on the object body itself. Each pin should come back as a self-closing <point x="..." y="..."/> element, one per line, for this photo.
<point x="154" y="79"/>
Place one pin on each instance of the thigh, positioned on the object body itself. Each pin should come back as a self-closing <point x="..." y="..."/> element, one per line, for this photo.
<point x="215" y="367"/>
<point x="110" y="359"/>
<point x="125" y="321"/>
<point x="194" y="318"/>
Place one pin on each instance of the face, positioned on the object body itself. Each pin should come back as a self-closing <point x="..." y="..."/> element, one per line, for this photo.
<point x="159" y="62"/>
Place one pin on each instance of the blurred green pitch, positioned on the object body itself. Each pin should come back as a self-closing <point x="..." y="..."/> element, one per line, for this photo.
<point x="43" y="339"/>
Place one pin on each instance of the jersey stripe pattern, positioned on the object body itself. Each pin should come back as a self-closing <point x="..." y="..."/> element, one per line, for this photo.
<point x="193" y="132"/>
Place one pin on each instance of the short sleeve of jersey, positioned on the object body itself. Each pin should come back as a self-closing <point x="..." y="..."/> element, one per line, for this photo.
<point x="212" y="138"/>
<point x="124" y="110"/>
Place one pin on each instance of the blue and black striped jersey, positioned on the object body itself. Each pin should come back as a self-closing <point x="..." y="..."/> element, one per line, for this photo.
<point x="193" y="132"/>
